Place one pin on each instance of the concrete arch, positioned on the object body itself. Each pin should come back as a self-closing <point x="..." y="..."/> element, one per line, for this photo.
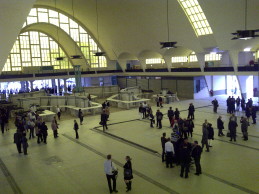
<point x="127" y="56"/>
<point x="65" y="44"/>
<point x="149" y="54"/>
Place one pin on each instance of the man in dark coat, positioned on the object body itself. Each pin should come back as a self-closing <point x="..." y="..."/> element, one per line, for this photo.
<point x="243" y="104"/>
<point x="163" y="141"/>
<point x="215" y="105"/>
<point x="244" y="127"/>
<point x="170" y="114"/>
<point x="253" y="113"/>
<point x="191" y="110"/>
<point x="185" y="157"/>
<point x="18" y="140"/>
<point x="159" y="117"/>
<point x="196" y="154"/>
<point x="228" y="104"/>
<point x="220" y="125"/>
<point x="104" y="119"/>
<point x="232" y="125"/>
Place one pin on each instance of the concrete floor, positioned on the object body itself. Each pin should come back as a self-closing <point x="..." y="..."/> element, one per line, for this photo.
<point x="69" y="166"/>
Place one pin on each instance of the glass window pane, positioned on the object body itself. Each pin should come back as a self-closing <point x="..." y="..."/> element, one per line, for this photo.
<point x="63" y="18"/>
<point x="53" y="14"/>
<point x="43" y="17"/>
<point x="54" y="21"/>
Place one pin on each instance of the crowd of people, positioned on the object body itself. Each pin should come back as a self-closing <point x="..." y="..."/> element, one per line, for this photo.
<point x="176" y="149"/>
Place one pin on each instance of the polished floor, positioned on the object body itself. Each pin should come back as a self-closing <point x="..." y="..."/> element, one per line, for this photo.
<point x="69" y="166"/>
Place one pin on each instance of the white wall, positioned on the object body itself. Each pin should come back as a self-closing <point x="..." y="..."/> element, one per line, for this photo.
<point x="219" y="82"/>
<point x="245" y="57"/>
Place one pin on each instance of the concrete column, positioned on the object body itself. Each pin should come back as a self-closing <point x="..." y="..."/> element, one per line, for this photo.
<point x="23" y="88"/>
<point x="58" y="86"/>
<point x="201" y="60"/>
<point x="31" y="82"/>
<point x="65" y="85"/>
<point x="122" y="63"/>
<point x="233" y="54"/>
<point x="143" y="64"/>
<point x="168" y="62"/>
<point x="27" y="86"/>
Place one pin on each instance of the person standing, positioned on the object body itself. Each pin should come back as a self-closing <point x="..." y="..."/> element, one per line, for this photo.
<point x="44" y="132"/>
<point x="81" y="116"/>
<point x="24" y="144"/>
<point x="38" y="133"/>
<point x="18" y="140"/>
<point x="76" y="129"/>
<point x="238" y="101"/>
<point x="205" y="134"/>
<point x="2" y="122"/>
<point x="140" y="111"/>
<point x="110" y="171"/>
<point x="185" y="157"/>
<point x="220" y="126"/>
<point x="215" y="105"/>
<point x="228" y="104"/>
<point x="159" y="117"/>
<point x="196" y="154"/>
<point x="191" y="110"/>
<point x="128" y="175"/>
<point x="104" y="120"/>
<point x="54" y="128"/>
<point x="58" y="112"/>
<point x="163" y="141"/>
<point x="157" y="101"/>
<point x="210" y="134"/>
<point x="170" y="114"/>
<point x="160" y="101"/>
<point x="244" y="128"/>
<point x="151" y="118"/>
<point x="31" y="126"/>
<point x="243" y="104"/>
<point x="232" y="125"/>
<point x="253" y="113"/>
<point x="176" y="114"/>
<point x="190" y="126"/>
<point x="169" y="151"/>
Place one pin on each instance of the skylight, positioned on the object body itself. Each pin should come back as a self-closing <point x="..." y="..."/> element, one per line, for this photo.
<point x="196" y="17"/>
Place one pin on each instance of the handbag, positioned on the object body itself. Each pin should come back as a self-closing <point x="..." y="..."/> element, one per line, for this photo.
<point x="114" y="172"/>
<point x="101" y="123"/>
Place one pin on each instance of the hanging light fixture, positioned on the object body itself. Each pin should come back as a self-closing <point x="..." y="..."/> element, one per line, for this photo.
<point x="245" y="34"/>
<point x="59" y="58"/>
<point x="168" y="44"/>
<point x="97" y="54"/>
<point x="76" y="56"/>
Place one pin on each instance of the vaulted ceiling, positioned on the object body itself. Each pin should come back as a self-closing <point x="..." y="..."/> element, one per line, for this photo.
<point x="137" y="26"/>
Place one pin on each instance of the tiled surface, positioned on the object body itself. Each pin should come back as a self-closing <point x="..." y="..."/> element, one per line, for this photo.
<point x="67" y="165"/>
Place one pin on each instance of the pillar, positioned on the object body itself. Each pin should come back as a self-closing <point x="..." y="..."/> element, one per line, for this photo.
<point x="58" y="89"/>
<point x="53" y="83"/>
<point x="27" y="86"/>
<point x="168" y="61"/>
<point x="77" y="70"/>
<point x="201" y="60"/>
<point x="65" y="85"/>
<point x="23" y="87"/>
<point x="31" y="82"/>
<point x="143" y="64"/>
<point x="122" y="63"/>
